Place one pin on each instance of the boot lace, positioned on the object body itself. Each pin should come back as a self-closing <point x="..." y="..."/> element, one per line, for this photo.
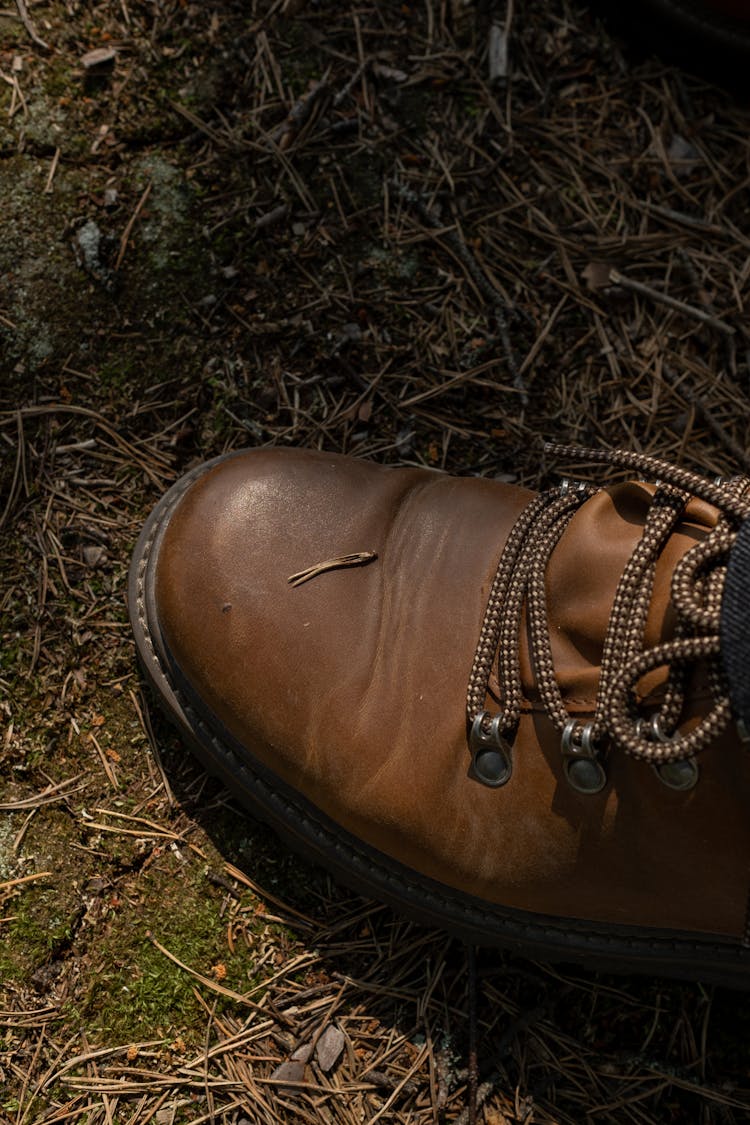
<point x="618" y="720"/>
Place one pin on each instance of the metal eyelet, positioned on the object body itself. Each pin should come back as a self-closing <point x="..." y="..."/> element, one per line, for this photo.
<point x="680" y="774"/>
<point x="491" y="763"/>
<point x="569" y="484"/>
<point x="583" y="770"/>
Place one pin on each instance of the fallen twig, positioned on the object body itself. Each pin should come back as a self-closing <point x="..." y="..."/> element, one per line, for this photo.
<point x="131" y="223"/>
<point x="347" y="89"/>
<point x="26" y="20"/>
<point x="685" y="220"/>
<point x="616" y="278"/>
<point x="497" y="49"/>
<point x="52" y="170"/>
<point x="300" y="112"/>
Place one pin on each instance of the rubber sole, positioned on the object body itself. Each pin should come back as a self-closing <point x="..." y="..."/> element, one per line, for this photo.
<point x="310" y="832"/>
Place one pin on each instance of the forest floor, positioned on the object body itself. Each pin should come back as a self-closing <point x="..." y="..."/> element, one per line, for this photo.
<point x="320" y="224"/>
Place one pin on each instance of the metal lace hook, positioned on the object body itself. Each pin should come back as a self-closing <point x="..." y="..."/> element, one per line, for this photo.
<point x="490" y="751"/>
<point x="679" y="773"/>
<point x="583" y="770"/>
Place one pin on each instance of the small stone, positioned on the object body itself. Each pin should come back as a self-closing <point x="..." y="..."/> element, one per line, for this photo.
<point x="94" y="556"/>
<point x="392" y="72"/>
<point x="405" y="440"/>
<point x="682" y="155"/>
<point x="100" y="56"/>
<point x="291" y="1070"/>
<point x="329" y="1048"/>
<point x="89" y="238"/>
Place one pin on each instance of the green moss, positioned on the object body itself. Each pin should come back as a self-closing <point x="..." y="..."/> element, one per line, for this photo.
<point x="117" y="372"/>
<point x="136" y="991"/>
<point x="41" y="927"/>
<point x="45" y="913"/>
<point x="58" y="78"/>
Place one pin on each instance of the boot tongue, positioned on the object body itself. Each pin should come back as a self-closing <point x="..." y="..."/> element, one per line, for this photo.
<point x="582" y="578"/>
<point x="735" y="625"/>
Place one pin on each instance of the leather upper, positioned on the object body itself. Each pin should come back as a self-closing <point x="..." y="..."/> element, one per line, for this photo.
<point x="351" y="687"/>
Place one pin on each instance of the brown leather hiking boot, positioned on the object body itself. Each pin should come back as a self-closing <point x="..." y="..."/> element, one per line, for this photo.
<point x="504" y="713"/>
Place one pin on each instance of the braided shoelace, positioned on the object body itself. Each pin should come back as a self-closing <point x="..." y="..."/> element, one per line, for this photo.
<point x="696" y="593"/>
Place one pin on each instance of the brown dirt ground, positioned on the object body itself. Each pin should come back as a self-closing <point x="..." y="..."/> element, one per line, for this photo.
<point x="319" y="224"/>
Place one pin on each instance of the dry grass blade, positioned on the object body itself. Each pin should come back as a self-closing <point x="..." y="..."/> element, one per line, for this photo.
<point x="11" y="884"/>
<point x="50" y="795"/>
